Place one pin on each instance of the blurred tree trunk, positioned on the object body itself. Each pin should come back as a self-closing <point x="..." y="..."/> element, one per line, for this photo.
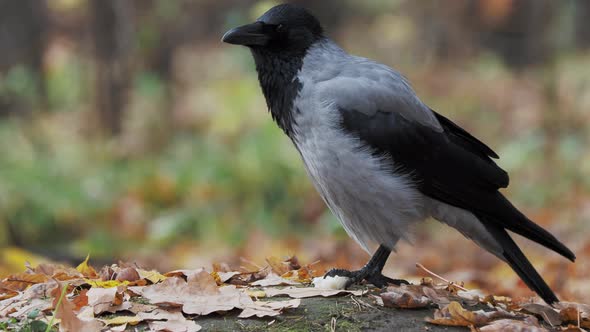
<point x="582" y="26"/>
<point x="522" y="37"/>
<point x="112" y="31"/>
<point x="23" y="40"/>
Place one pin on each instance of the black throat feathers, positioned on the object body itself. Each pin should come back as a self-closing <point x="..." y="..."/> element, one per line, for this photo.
<point x="277" y="74"/>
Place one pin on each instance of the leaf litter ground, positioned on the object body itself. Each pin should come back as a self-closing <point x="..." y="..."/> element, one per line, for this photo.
<point x="121" y="296"/>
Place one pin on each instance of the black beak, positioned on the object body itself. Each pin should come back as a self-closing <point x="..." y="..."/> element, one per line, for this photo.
<point x="247" y="35"/>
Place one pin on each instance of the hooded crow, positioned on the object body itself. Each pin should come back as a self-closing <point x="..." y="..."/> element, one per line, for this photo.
<point x="380" y="158"/>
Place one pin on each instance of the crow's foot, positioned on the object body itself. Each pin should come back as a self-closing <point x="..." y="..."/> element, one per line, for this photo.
<point x="372" y="276"/>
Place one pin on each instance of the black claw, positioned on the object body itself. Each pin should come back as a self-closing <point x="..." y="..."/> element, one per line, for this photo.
<point x="371" y="272"/>
<point x="338" y="273"/>
<point x="375" y="278"/>
<point x="381" y="281"/>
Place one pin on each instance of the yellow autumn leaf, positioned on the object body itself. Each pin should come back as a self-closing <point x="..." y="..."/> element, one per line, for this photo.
<point x="87" y="270"/>
<point x="106" y="284"/>
<point x="13" y="259"/>
<point x="153" y="276"/>
<point x="256" y="293"/>
<point x="120" y="320"/>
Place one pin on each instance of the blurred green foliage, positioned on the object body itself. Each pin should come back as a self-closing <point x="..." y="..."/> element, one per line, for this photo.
<point x="199" y="158"/>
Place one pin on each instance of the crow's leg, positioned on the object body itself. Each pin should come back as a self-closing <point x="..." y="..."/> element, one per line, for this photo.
<point x="371" y="272"/>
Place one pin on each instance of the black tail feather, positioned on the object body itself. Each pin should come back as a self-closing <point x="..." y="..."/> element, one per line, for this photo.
<point x="522" y="225"/>
<point x="520" y="264"/>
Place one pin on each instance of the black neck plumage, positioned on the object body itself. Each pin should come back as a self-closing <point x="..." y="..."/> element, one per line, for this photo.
<point x="277" y="74"/>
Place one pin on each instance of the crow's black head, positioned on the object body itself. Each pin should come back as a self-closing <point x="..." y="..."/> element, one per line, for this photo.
<point x="285" y="28"/>
<point x="279" y="41"/>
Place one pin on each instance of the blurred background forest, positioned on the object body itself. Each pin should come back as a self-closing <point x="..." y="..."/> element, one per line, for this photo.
<point x="129" y="131"/>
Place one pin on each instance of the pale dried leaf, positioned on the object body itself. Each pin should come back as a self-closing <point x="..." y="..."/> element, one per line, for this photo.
<point x="225" y="276"/>
<point x="160" y="314"/>
<point x="303" y="292"/>
<point x="273" y="279"/>
<point x="203" y="281"/>
<point x="119" y="328"/>
<point x="404" y="298"/>
<point x="38" y="291"/>
<point x="140" y="307"/>
<point x="530" y="324"/>
<point x="546" y="312"/>
<point x="268" y="309"/>
<point x="35" y="304"/>
<point x="107" y="300"/>
<point x="176" y="291"/>
<point x="128" y="274"/>
<point x="455" y="315"/>
<point x="472" y="295"/>
<point x="175" y="326"/>
<point x="20" y="281"/>
<point x="183" y="273"/>
<point x="227" y="298"/>
<point x="435" y="297"/>
<point x="69" y="321"/>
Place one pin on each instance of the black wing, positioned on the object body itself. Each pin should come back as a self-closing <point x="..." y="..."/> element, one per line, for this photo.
<point x="450" y="165"/>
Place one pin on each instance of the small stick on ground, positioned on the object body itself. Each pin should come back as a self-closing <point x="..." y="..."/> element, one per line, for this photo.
<point x="420" y="266"/>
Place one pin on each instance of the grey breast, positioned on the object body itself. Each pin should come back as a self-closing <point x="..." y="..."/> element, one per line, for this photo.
<point x="375" y="203"/>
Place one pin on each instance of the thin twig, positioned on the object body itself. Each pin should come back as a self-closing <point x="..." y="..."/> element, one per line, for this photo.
<point x="418" y="265"/>
<point x="355" y="302"/>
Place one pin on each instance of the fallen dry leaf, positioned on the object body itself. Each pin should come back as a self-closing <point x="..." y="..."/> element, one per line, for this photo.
<point x="161" y="314"/>
<point x="200" y="296"/>
<point x="81" y="300"/>
<point x="575" y="312"/>
<point x="151" y="276"/>
<point x="280" y="266"/>
<point x="530" y="324"/>
<point x="302" y="275"/>
<point x="549" y="314"/>
<point x="36" y="304"/>
<point x="405" y="298"/>
<point x="175" y="326"/>
<point x="64" y="310"/>
<point x="119" y="328"/>
<point x="303" y="292"/>
<point x="121" y="320"/>
<point x="107" y="300"/>
<point x="222" y="277"/>
<point x="273" y="280"/>
<point x="255" y="293"/>
<point x="128" y="274"/>
<point x="20" y="281"/>
<point x="87" y="270"/>
<point x="266" y="309"/>
<point x="455" y="315"/>
<point x="140" y="307"/>
<point x="56" y="271"/>
<point x="438" y="296"/>
<point x="227" y="298"/>
<point x="105" y="284"/>
<point x="7" y="293"/>
<point x="183" y="273"/>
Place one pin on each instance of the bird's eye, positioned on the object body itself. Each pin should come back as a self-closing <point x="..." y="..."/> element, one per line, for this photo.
<point x="280" y="28"/>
